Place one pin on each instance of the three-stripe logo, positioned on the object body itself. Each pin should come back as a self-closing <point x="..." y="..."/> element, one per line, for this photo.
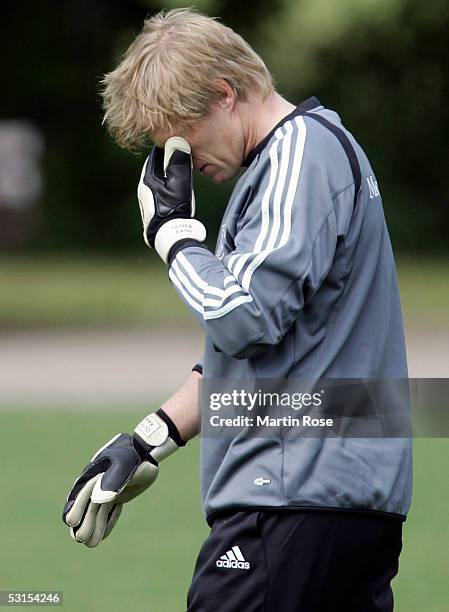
<point x="233" y="559"/>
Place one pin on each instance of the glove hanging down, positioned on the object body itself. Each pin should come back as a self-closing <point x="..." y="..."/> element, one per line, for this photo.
<point x="119" y="471"/>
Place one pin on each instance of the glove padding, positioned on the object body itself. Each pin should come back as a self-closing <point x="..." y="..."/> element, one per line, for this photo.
<point x="166" y="198"/>
<point x="118" y="472"/>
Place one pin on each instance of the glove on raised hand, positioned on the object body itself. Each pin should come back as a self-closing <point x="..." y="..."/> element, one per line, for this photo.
<point x="166" y="199"/>
<point x="119" y="471"/>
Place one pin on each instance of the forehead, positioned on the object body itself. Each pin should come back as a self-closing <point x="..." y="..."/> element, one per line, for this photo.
<point x="159" y="137"/>
<point x="190" y="132"/>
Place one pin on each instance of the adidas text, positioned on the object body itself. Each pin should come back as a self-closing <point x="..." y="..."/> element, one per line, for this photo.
<point x="232" y="564"/>
<point x="233" y="559"/>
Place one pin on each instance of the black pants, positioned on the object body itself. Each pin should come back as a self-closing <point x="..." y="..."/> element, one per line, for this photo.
<point x="294" y="561"/>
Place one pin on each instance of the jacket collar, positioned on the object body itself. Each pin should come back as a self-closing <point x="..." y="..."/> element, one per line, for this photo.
<point x="301" y="108"/>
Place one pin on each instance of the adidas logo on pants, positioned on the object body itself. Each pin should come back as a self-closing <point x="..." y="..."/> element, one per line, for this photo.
<point x="233" y="559"/>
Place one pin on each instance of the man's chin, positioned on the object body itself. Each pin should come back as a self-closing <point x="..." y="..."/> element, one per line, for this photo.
<point x="222" y="177"/>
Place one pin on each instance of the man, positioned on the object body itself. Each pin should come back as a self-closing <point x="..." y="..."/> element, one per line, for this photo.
<point x="302" y="286"/>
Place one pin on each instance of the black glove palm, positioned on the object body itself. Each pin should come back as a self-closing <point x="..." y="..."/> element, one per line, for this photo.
<point x="166" y="198"/>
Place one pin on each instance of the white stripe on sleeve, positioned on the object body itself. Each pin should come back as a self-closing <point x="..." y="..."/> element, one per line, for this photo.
<point x="193" y="303"/>
<point x="186" y="282"/>
<point x="296" y="168"/>
<point x="215" y="314"/>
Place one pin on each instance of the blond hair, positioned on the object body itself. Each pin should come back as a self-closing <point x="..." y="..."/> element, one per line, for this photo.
<point x="168" y="76"/>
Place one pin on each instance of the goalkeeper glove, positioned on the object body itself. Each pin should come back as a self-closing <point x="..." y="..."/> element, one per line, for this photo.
<point x="167" y="201"/>
<point x="119" y="471"/>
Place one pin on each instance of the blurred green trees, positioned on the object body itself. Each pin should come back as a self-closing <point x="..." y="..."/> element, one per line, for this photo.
<point x="382" y="64"/>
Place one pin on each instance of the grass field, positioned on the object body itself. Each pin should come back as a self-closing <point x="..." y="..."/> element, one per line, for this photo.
<point x="147" y="562"/>
<point x="135" y="290"/>
<point x="87" y="291"/>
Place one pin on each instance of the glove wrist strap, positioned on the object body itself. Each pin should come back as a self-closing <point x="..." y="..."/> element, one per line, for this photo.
<point x="159" y="435"/>
<point x="175" y="230"/>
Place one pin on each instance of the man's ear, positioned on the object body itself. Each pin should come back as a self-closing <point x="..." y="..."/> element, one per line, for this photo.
<point x="228" y="95"/>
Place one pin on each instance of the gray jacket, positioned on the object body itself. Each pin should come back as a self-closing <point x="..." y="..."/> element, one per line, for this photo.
<point x="302" y="285"/>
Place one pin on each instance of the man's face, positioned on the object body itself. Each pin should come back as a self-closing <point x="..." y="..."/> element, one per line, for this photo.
<point x="216" y="141"/>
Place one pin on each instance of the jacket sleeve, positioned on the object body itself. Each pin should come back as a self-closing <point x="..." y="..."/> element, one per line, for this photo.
<point x="198" y="367"/>
<point x="284" y="245"/>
